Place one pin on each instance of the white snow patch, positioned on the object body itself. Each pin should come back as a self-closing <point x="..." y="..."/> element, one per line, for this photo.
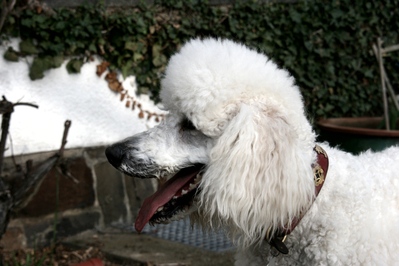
<point x="97" y="114"/>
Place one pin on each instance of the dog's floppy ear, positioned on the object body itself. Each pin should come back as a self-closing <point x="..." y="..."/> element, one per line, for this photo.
<point x="260" y="174"/>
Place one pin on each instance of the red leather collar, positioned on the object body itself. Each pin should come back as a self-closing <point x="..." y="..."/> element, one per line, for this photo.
<point x="320" y="168"/>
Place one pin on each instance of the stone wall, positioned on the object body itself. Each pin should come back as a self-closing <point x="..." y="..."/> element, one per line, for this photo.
<point x="84" y="192"/>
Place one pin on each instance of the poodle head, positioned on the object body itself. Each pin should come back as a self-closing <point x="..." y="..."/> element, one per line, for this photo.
<point x="236" y="146"/>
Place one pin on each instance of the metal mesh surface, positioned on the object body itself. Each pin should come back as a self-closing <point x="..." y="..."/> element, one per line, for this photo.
<point x="182" y="231"/>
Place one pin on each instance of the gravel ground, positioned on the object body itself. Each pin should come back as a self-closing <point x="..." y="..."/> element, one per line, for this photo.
<point x="60" y="255"/>
<point x="117" y="248"/>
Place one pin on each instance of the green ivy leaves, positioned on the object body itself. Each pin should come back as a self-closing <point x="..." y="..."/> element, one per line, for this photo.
<point x="11" y="55"/>
<point x="41" y="64"/>
<point x="324" y="44"/>
<point x="74" y="66"/>
<point x="28" y="48"/>
<point x="158" y="58"/>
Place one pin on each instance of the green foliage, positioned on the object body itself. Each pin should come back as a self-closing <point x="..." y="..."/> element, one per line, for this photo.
<point x="326" y="45"/>
<point x="27" y="47"/>
<point x="11" y="55"/>
<point x="30" y="260"/>
<point x="74" y="66"/>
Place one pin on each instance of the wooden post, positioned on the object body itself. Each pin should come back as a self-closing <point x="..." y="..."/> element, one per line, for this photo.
<point x="384" y="90"/>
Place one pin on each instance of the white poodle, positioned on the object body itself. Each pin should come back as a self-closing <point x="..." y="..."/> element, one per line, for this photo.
<point x="239" y="154"/>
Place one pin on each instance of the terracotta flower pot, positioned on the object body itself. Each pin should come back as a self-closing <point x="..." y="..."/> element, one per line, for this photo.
<point x="357" y="134"/>
<point x="91" y="262"/>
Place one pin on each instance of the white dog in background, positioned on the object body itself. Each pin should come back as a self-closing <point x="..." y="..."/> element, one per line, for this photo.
<point x="239" y="154"/>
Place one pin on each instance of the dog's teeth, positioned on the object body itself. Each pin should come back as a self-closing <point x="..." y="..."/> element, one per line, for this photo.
<point x="183" y="192"/>
<point x="197" y="179"/>
<point x="174" y="197"/>
<point x="192" y="186"/>
<point x="160" y="209"/>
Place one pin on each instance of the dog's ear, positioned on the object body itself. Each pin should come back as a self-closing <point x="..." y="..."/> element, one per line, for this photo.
<point x="260" y="173"/>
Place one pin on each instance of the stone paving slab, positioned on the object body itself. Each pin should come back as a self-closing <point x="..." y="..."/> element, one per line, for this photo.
<point x="140" y="249"/>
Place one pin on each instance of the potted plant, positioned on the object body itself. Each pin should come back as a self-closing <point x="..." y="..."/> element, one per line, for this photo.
<point x="357" y="134"/>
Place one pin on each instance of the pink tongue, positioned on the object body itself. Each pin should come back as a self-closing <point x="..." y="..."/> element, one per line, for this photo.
<point x="164" y="194"/>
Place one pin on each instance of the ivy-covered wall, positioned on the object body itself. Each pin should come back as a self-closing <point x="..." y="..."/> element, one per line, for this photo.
<point x="325" y="44"/>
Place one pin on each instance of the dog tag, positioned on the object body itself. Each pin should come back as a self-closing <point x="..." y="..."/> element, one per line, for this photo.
<point x="278" y="244"/>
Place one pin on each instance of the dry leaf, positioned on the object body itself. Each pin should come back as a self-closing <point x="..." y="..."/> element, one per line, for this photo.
<point x="123" y="96"/>
<point x="115" y="86"/>
<point x="101" y="68"/>
<point x="111" y="76"/>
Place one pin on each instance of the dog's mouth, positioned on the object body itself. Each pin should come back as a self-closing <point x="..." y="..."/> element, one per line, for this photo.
<point x="171" y="199"/>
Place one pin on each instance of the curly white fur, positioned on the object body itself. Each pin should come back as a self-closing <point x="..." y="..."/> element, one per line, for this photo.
<point x="253" y="136"/>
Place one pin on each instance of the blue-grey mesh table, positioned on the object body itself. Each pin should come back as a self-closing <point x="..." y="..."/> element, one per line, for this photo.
<point x="182" y="231"/>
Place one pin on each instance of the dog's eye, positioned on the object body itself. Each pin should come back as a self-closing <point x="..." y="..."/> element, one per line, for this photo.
<point x="187" y="125"/>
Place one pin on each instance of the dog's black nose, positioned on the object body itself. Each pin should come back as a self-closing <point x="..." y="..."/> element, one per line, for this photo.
<point x="114" y="155"/>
